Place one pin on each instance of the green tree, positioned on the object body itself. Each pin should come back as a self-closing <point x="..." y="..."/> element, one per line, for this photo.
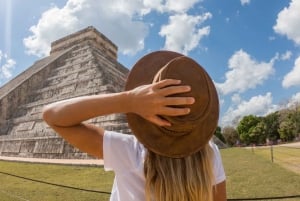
<point x="231" y="135"/>
<point x="286" y="130"/>
<point x="271" y="123"/>
<point x="295" y="118"/>
<point x="246" y="129"/>
<point x="288" y="127"/>
<point x="257" y="133"/>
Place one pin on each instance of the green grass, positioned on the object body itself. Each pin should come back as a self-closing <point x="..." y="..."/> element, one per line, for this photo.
<point x="93" y="178"/>
<point x="249" y="175"/>
<point x="287" y="157"/>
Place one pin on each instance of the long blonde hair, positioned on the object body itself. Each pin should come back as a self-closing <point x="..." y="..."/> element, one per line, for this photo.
<point x="190" y="178"/>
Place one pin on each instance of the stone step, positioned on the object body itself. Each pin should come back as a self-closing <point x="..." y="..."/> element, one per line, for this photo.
<point x="46" y="132"/>
<point x="71" y="91"/>
<point x="69" y="87"/>
<point x="55" y="80"/>
<point x="28" y="118"/>
<point x="36" y="67"/>
<point x="73" y="63"/>
<point x="42" y="102"/>
<point x="108" y="66"/>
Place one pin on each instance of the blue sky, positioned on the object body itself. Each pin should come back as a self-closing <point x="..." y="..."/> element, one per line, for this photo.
<point x="251" y="48"/>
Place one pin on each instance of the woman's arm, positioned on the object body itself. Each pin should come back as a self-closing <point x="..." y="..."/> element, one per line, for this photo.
<point x="219" y="192"/>
<point x="149" y="101"/>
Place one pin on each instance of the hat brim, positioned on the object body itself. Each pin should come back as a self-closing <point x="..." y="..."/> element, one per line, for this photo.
<point x="149" y="134"/>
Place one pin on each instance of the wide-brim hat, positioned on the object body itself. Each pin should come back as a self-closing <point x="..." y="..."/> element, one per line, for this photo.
<point x="188" y="133"/>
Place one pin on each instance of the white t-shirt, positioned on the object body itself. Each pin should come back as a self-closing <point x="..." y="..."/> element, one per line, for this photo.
<point x="125" y="155"/>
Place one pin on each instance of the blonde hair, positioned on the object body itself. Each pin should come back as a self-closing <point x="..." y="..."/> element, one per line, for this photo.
<point x="176" y="179"/>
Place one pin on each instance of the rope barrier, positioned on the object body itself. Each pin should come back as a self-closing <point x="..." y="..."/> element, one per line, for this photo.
<point x="104" y="192"/>
<point x="267" y="198"/>
<point x="54" y="184"/>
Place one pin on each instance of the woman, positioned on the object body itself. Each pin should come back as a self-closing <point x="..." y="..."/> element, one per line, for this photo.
<point x="172" y="109"/>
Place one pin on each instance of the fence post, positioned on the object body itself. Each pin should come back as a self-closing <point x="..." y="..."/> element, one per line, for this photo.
<point x="272" y="157"/>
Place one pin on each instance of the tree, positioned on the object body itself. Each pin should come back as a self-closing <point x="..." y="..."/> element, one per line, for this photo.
<point x="245" y="129"/>
<point x="288" y="126"/>
<point x="219" y="135"/>
<point x="257" y="133"/>
<point x="295" y="117"/>
<point x="271" y="123"/>
<point x="231" y="135"/>
<point x="286" y="130"/>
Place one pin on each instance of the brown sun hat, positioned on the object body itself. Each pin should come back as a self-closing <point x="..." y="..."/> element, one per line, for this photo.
<point x="188" y="133"/>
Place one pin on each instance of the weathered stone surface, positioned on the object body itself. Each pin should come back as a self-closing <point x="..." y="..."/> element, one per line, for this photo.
<point x="83" y="63"/>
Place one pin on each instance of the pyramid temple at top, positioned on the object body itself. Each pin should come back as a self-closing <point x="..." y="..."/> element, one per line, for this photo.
<point x="83" y="63"/>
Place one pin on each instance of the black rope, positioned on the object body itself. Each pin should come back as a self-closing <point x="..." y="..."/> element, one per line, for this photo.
<point x="267" y="198"/>
<point x="53" y="184"/>
<point x="103" y="192"/>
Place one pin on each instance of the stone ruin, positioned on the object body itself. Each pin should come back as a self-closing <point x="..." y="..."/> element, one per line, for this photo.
<point x="83" y="63"/>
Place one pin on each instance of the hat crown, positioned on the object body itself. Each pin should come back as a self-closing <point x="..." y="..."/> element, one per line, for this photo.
<point x="190" y="73"/>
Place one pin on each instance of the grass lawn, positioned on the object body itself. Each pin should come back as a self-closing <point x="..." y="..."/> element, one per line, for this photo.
<point x="287" y="157"/>
<point x="93" y="178"/>
<point x="249" y="175"/>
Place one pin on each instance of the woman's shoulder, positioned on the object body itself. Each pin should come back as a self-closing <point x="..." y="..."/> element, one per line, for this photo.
<point x="214" y="146"/>
<point x="128" y="141"/>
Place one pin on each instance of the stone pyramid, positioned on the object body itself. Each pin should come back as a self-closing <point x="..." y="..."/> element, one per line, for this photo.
<point x="83" y="63"/>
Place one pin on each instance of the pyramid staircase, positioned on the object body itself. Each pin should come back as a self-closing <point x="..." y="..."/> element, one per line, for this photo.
<point x="80" y="64"/>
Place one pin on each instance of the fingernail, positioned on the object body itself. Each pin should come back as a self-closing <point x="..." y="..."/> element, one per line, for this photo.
<point x="168" y="124"/>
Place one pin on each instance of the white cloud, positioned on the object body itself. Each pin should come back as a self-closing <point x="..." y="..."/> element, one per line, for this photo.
<point x="288" y="22"/>
<point x="180" y="6"/>
<point x="183" y="33"/>
<point x="121" y="21"/>
<point x="295" y="100"/>
<point x="112" y="19"/>
<point x="258" y="105"/>
<point x="236" y="98"/>
<point x="245" y="2"/>
<point x="245" y="73"/>
<point x="293" y="77"/>
<point x="286" y="56"/>
<point x="6" y="66"/>
<point x="169" y="5"/>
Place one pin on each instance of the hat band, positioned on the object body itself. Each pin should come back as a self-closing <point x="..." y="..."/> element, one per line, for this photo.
<point x="174" y="132"/>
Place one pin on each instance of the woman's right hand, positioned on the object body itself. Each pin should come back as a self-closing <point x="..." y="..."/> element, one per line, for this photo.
<point x="151" y="101"/>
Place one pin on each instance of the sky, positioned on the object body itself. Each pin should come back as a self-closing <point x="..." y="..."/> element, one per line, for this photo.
<point x="250" y="48"/>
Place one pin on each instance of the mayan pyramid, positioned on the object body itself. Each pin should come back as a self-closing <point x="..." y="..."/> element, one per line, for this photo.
<point x="83" y="63"/>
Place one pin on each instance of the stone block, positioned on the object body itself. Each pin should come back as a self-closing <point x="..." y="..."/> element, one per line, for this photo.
<point x="27" y="146"/>
<point x="11" y="146"/>
<point x="25" y="126"/>
<point x="49" y="146"/>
